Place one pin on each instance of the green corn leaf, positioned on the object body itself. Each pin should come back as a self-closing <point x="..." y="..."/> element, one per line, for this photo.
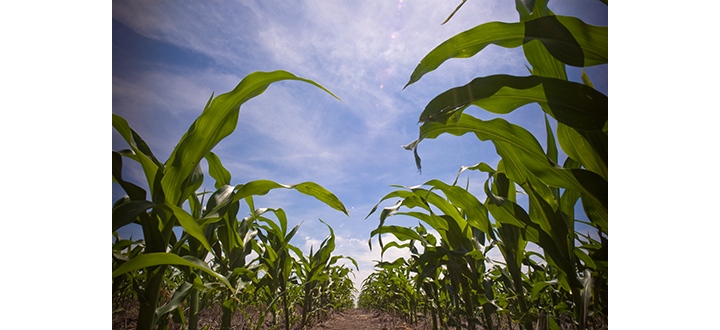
<point x="192" y="183"/>
<point x="270" y="255"/>
<point x="219" y="199"/>
<point x="552" y="151"/>
<point x="529" y="9"/>
<point x="552" y="223"/>
<point x="476" y="213"/>
<point x="596" y="211"/>
<point x="393" y="244"/>
<point x="523" y="156"/>
<point x="458" y="240"/>
<point x="320" y="277"/>
<point x="189" y="224"/>
<point x="216" y="122"/>
<point x="442" y="204"/>
<point x="577" y="147"/>
<point x="543" y="63"/>
<point x="279" y="231"/>
<point x="262" y="187"/>
<point x="529" y="4"/>
<point x="162" y="258"/>
<point x="568" y="199"/>
<point x="334" y="259"/>
<point x="125" y="243"/>
<point x="395" y="194"/>
<point x="327" y="247"/>
<point x="431" y="220"/>
<point x="586" y="79"/>
<point x="482" y="167"/>
<point x="229" y="238"/>
<point x="133" y="191"/>
<point x="568" y="39"/>
<point x="573" y="104"/>
<point x="401" y="233"/>
<point x="217" y="171"/>
<point x="506" y="211"/>
<point x="581" y="255"/>
<point x="454" y="11"/>
<point x="196" y="205"/>
<point x="539" y="286"/>
<point x="142" y="152"/>
<point x="274" y="229"/>
<point x="126" y="213"/>
<point x="399" y="262"/>
<point x="177" y="298"/>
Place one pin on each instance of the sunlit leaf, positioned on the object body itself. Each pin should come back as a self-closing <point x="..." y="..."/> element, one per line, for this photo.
<point x="215" y="123"/>
<point x="161" y="258"/>
<point x="217" y="171"/>
<point x="578" y="148"/>
<point x="262" y="187"/>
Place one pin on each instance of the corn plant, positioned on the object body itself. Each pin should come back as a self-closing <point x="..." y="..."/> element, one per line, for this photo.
<point x="314" y="272"/>
<point x="173" y="183"/>
<point x="276" y="259"/>
<point x="460" y="251"/>
<point x="340" y="289"/>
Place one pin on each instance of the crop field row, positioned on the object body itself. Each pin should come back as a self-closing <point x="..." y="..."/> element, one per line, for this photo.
<point x="228" y="264"/>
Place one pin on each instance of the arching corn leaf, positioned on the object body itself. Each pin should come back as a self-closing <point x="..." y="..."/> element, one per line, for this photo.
<point x="162" y="258"/>
<point x="575" y="105"/>
<point x="262" y="187"/>
<point x="568" y="39"/>
<point x="216" y="122"/>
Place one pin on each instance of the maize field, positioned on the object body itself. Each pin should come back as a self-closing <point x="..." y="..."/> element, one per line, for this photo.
<point x="228" y="270"/>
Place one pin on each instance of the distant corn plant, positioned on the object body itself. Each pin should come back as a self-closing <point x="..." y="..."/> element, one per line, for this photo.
<point x="570" y="276"/>
<point x="211" y="229"/>
<point x="316" y="273"/>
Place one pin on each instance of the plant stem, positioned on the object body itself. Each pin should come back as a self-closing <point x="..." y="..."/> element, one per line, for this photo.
<point x="146" y="316"/>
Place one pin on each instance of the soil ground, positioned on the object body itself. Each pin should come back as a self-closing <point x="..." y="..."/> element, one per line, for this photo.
<point x="363" y="319"/>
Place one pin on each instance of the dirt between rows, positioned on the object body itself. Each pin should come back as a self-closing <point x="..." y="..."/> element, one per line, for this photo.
<point x="363" y="319"/>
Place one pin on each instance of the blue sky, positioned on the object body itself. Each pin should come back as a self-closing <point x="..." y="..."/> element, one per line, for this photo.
<point x="169" y="57"/>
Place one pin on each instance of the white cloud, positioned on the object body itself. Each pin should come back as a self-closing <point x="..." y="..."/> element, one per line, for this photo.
<point x="348" y="47"/>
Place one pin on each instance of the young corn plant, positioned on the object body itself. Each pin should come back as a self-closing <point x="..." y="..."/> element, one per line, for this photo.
<point x="313" y="271"/>
<point x="173" y="183"/>
<point x="275" y="257"/>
